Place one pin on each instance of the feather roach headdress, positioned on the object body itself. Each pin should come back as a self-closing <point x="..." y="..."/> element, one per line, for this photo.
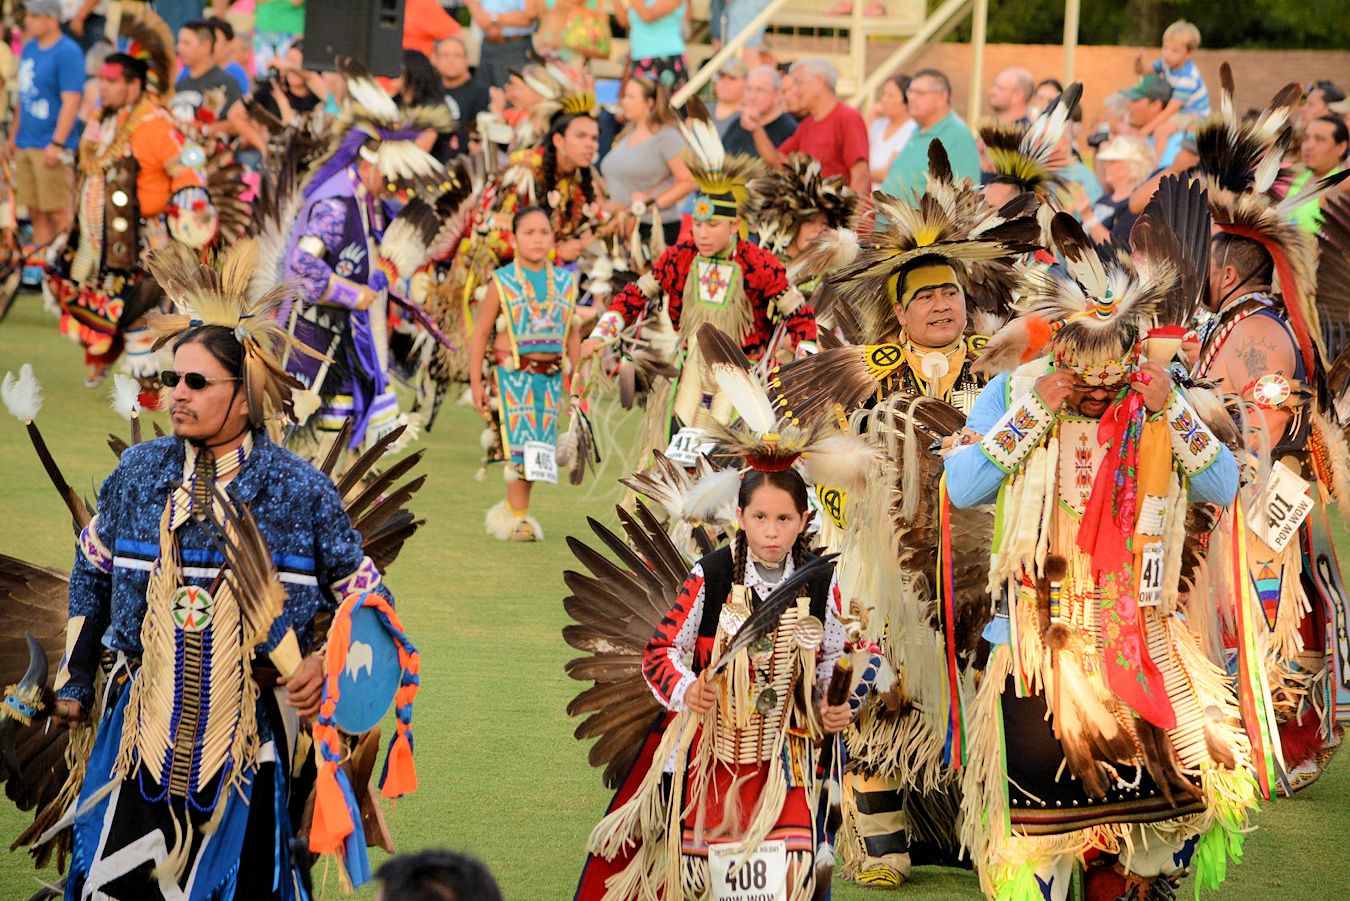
<point x="769" y="442"/>
<point x="783" y="199"/>
<point x="949" y="225"/>
<point x="1028" y="156"/>
<point x="723" y="178"/>
<point x="149" y="40"/>
<point x="374" y="128"/>
<point x="205" y="295"/>
<point x="1091" y="314"/>
<point x="560" y="93"/>
<point x="1240" y="161"/>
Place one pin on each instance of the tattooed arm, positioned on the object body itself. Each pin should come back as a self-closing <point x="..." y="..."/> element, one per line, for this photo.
<point x="1258" y="346"/>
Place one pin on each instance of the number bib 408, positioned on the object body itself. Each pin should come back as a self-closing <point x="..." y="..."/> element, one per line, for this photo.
<point x="763" y="877"/>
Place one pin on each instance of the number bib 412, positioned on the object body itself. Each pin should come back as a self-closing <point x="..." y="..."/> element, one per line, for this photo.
<point x="763" y="876"/>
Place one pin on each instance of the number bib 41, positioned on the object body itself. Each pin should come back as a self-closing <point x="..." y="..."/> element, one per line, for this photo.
<point x="763" y="876"/>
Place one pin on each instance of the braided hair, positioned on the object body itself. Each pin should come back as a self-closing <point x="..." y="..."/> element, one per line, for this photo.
<point x="788" y="480"/>
<point x="548" y="170"/>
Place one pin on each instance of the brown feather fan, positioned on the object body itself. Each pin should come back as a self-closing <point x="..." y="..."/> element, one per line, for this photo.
<point x="377" y="508"/>
<point x="615" y="608"/>
<point x="820" y="388"/>
<point x="1175" y="227"/>
<point x="35" y="600"/>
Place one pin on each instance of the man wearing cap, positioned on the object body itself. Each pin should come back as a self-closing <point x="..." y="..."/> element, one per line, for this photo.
<point x="51" y="78"/>
<point x="140" y="189"/>
<point x="1145" y="101"/>
<point x="1126" y="162"/>
<point x="832" y="132"/>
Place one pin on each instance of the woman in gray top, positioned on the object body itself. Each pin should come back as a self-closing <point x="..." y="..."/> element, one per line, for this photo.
<point x="643" y="169"/>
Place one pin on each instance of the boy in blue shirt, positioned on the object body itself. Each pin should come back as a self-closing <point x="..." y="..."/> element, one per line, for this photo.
<point x="1190" y="98"/>
<point x="51" y="83"/>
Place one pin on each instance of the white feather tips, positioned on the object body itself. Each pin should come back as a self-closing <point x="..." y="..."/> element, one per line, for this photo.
<point x="748" y="396"/>
<point x="125" y="395"/>
<point x="22" y="395"/>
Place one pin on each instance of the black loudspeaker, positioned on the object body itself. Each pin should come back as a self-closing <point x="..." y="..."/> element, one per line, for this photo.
<point x="369" y="31"/>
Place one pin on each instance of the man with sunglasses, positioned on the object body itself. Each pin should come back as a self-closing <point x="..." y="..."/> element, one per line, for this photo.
<point x="198" y="772"/>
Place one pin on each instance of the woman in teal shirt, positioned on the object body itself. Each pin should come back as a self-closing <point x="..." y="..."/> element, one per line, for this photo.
<point x="655" y="39"/>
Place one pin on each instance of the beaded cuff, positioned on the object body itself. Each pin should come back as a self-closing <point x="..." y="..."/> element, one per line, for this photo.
<point x="1018" y="432"/>
<point x="1193" y="444"/>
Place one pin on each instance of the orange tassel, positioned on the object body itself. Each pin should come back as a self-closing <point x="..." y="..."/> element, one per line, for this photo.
<point x="400" y="773"/>
<point x="332" y="821"/>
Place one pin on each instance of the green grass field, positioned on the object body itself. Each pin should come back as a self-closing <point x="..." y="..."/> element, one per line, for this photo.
<point x="500" y="774"/>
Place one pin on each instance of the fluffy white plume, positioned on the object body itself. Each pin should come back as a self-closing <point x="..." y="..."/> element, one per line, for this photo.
<point x="748" y="397"/>
<point x="712" y="499"/>
<point x="125" y="395"/>
<point x="844" y="461"/>
<point x="23" y="395"/>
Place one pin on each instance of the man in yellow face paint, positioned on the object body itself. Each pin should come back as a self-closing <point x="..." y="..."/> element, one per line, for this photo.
<point x="900" y="300"/>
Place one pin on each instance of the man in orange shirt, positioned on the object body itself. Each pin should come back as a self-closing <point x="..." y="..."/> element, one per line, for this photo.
<point x="424" y="23"/>
<point x="140" y="188"/>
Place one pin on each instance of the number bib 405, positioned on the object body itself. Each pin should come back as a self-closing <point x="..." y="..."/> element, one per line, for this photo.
<point x="541" y="462"/>
<point x="763" y="876"/>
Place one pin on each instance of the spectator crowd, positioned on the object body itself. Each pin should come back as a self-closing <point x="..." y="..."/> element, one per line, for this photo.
<point x="248" y="57"/>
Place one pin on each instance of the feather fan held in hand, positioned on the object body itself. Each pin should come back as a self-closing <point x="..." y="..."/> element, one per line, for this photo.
<point x="32" y="637"/>
<point x="376" y="505"/>
<point x="615" y="608"/>
<point x="219" y="295"/>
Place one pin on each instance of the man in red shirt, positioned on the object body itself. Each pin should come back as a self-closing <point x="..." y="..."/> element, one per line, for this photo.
<point x="832" y="132"/>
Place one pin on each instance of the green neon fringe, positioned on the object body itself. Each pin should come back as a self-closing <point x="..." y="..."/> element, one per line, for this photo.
<point x="1021" y="885"/>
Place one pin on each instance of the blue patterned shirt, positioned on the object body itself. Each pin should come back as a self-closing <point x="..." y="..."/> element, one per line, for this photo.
<point x="314" y="546"/>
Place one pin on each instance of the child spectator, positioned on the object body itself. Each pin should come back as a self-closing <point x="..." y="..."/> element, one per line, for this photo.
<point x="1190" y="97"/>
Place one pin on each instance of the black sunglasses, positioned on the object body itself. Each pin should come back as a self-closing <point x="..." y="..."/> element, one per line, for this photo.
<point x="195" y="380"/>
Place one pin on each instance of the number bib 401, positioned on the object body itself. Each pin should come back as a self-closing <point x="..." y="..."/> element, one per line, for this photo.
<point x="763" y="876"/>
